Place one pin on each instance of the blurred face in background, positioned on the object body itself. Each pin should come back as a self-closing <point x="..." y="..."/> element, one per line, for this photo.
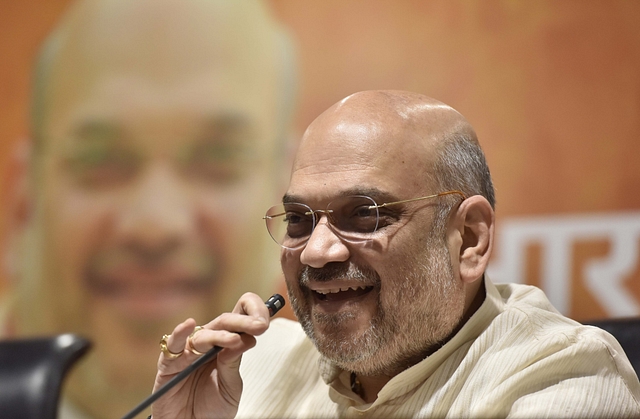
<point x="157" y="143"/>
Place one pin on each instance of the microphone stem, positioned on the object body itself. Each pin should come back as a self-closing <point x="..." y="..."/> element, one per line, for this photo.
<point x="275" y="303"/>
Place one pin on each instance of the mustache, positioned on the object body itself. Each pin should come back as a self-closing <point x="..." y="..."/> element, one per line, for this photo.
<point x="338" y="270"/>
<point x="190" y="257"/>
<point x="120" y="267"/>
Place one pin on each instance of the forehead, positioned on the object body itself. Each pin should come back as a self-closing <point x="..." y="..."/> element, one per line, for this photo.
<point x="157" y="64"/>
<point x="161" y="118"/>
<point x="130" y="99"/>
<point x="383" y="156"/>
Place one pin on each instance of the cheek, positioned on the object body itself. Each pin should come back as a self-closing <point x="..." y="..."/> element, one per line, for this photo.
<point x="291" y="267"/>
<point x="395" y="265"/>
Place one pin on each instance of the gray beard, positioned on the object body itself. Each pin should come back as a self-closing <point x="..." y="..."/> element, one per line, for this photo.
<point x="428" y="306"/>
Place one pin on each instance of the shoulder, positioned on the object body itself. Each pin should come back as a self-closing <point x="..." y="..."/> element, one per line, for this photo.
<point x="529" y="320"/>
<point x="529" y="316"/>
<point x="544" y="355"/>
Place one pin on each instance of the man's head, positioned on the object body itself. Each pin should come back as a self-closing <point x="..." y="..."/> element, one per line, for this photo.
<point x="377" y="302"/>
<point x="159" y="130"/>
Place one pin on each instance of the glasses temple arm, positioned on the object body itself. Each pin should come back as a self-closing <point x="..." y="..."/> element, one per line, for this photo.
<point x="386" y="204"/>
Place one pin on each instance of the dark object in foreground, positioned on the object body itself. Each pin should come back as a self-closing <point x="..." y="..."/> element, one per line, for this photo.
<point x="32" y="371"/>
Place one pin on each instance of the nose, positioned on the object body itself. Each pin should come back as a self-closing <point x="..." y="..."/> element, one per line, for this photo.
<point x="324" y="246"/>
<point x="156" y="216"/>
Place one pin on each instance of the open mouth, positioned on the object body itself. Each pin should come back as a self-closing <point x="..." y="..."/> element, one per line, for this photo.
<point x="341" y="294"/>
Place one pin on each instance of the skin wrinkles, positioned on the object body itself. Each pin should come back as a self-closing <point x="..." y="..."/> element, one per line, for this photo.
<point x="316" y="169"/>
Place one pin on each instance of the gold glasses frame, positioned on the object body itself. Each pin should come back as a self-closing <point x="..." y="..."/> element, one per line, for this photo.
<point x="451" y="192"/>
<point x="328" y="212"/>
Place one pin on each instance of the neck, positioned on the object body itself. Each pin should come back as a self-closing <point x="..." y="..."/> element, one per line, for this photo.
<point x="474" y="300"/>
<point x="368" y="387"/>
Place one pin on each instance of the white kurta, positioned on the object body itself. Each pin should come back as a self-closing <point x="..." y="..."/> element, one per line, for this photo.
<point x="517" y="357"/>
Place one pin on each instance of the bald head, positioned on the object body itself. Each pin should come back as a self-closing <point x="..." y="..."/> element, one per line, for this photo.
<point x="235" y="46"/>
<point x="429" y="140"/>
<point x="404" y="105"/>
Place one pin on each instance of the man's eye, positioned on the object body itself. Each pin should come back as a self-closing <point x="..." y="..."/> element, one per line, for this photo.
<point x="386" y="217"/>
<point x="100" y="167"/>
<point x="360" y="219"/>
<point x="363" y="211"/>
<point x="292" y="218"/>
<point x="298" y="224"/>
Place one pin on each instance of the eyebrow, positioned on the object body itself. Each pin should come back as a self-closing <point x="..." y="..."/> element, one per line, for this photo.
<point x="221" y="122"/>
<point x="376" y="193"/>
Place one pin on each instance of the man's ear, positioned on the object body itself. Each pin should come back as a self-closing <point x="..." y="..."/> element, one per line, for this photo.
<point x="18" y="204"/>
<point x="476" y="227"/>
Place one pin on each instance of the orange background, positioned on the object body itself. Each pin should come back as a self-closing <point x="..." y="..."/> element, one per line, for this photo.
<point x="552" y="88"/>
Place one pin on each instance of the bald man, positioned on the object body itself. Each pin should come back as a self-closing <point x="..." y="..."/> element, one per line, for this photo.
<point x="159" y="131"/>
<point x="386" y="231"/>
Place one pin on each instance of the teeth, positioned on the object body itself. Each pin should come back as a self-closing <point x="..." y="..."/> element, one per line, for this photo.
<point x="337" y="290"/>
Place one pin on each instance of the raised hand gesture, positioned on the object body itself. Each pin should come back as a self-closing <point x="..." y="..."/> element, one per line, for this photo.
<point x="214" y="390"/>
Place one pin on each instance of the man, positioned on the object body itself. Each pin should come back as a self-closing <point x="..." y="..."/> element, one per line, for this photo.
<point x="386" y="231"/>
<point x="159" y="136"/>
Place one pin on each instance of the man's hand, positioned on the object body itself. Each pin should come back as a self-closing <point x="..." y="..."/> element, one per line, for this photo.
<point x="214" y="390"/>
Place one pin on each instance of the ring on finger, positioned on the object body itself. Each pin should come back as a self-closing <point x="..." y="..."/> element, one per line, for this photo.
<point x="165" y="349"/>
<point x="190" y="344"/>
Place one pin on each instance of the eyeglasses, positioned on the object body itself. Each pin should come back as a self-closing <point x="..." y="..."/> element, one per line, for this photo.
<point x="353" y="218"/>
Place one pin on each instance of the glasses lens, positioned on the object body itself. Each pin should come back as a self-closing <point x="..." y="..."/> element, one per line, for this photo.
<point x="290" y="225"/>
<point x="354" y="216"/>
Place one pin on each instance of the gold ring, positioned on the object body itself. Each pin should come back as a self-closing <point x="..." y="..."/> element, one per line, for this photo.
<point x="191" y="348"/>
<point x="165" y="350"/>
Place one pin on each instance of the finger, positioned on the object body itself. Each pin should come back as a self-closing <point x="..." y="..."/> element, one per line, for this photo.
<point x="250" y="315"/>
<point x="205" y="339"/>
<point x="176" y="345"/>
<point x="252" y="305"/>
<point x="239" y="323"/>
<point x="178" y="338"/>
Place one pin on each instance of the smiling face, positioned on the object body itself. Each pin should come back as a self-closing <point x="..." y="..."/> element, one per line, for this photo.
<point x="158" y="201"/>
<point x="376" y="306"/>
<point x="153" y="169"/>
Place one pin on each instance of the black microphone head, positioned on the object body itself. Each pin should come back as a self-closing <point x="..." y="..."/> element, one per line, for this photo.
<point x="274" y="304"/>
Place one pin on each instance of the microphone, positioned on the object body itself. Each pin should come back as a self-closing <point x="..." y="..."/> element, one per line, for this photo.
<point x="274" y="304"/>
